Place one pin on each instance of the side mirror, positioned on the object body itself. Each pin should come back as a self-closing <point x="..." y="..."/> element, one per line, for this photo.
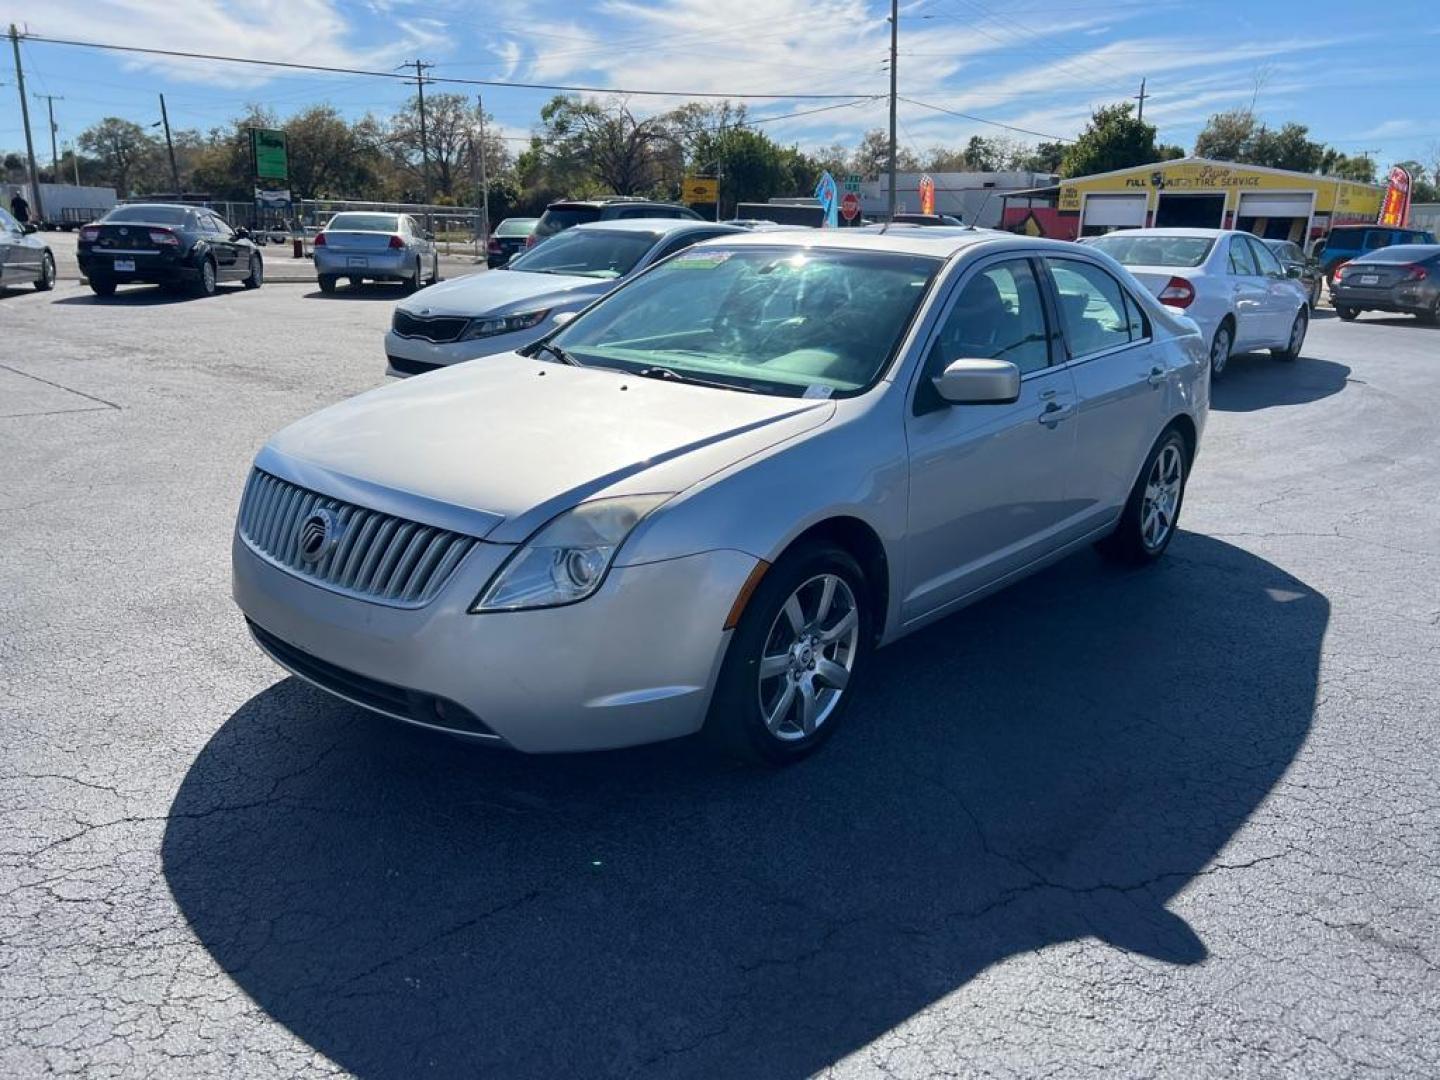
<point x="1294" y="270"/>
<point x="29" y="227"/>
<point x="563" y="317"/>
<point x="979" y="382"/>
<point x="429" y="235"/>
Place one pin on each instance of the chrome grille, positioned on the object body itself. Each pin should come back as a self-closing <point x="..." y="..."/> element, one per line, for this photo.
<point x="441" y="329"/>
<point x="375" y="556"/>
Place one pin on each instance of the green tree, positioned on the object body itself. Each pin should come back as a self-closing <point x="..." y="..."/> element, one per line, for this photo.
<point x="125" y="153"/>
<point x="872" y="156"/>
<point x="1424" y="185"/>
<point x="603" y="141"/>
<point x="1226" y="135"/>
<point x="1114" y="139"/>
<point x="1360" y="168"/>
<point x="1045" y="157"/>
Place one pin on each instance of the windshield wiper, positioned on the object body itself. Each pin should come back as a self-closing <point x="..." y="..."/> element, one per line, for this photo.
<point x="671" y="375"/>
<point x="555" y="351"/>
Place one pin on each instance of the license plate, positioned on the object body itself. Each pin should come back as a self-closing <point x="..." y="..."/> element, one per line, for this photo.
<point x="357" y="260"/>
<point x="124" y="266"/>
<point x="1369" y="279"/>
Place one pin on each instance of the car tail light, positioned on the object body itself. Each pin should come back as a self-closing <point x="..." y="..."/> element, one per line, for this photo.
<point x="397" y="241"/>
<point x="1178" y="293"/>
<point x="1417" y="273"/>
<point x="494" y="248"/>
<point x="1340" y="271"/>
<point x="165" y="237"/>
<point x="319" y="240"/>
<point x="89" y="234"/>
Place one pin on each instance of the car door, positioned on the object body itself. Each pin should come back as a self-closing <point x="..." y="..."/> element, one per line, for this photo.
<point x="1121" y="383"/>
<point x="1282" y="293"/>
<point x="989" y="484"/>
<point x="220" y="238"/>
<point x="11" y="236"/>
<point x="417" y="239"/>
<point x="1249" y="295"/>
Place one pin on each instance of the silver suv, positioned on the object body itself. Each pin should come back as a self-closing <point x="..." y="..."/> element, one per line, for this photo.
<point x="568" y="213"/>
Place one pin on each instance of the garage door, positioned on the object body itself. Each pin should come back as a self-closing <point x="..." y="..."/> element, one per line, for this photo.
<point x="1115" y="211"/>
<point x="1275" y="206"/>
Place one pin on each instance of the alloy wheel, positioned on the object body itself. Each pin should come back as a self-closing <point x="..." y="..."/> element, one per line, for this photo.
<point x="1220" y="351"/>
<point x="1162" y="497"/>
<point x="1297" y="334"/>
<point x="207" y="277"/>
<point x="808" y="657"/>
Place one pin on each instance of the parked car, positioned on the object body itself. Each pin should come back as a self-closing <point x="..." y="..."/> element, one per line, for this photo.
<point x="508" y="239"/>
<point x="925" y="219"/>
<point x="1404" y="279"/>
<point x="1229" y="282"/>
<point x="568" y="213"/>
<point x="482" y="314"/>
<point x="25" y="259"/>
<point x="169" y="245"/>
<point x="1303" y="268"/>
<point x="1346" y="242"/>
<point x="368" y="246"/>
<point x="705" y="499"/>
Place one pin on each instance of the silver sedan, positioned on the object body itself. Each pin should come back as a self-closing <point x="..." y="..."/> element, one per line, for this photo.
<point x="707" y="499"/>
<point x="370" y="246"/>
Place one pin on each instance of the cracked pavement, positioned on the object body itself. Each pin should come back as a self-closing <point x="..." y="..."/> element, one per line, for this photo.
<point x="1181" y="822"/>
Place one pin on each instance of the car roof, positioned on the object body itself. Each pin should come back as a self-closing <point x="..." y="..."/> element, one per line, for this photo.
<point x="614" y="200"/>
<point x="935" y="240"/>
<point x="656" y="226"/>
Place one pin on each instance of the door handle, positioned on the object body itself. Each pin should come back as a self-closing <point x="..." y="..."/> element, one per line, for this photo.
<point x="1054" y="413"/>
<point x="1156" y="378"/>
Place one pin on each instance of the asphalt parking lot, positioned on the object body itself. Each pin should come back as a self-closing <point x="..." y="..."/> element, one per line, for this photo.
<point x="1177" y="822"/>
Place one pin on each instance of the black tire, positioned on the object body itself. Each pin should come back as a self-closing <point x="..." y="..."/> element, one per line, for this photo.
<point x="1298" y="329"/>
<point x="209" y="277"/>
<point x="415" y="281"/>
<point x="101" y="287"/>
<point x="1348" y="314"/>
<point x="1220" y="354"/>
<point x="735" y="724"/>
<point x="1429" y="318"/>
<point x="256" y="277"/>
<point x="327" y="283"/>
<point x="1128" y="543"/>
<point x="46" y="281"/>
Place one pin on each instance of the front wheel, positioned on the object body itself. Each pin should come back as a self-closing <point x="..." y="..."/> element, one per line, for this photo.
<point x="1292" y="348"/>
<point x="1220" y="346"/>
<point x="256" y="277"/>
<point x="792" y="664"/>
<point x="1347" y="314"/>
<point x="1147" y="524"/>
<point x="46" y="281"/>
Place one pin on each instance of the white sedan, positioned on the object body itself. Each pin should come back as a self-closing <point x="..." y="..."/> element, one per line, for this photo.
<point x="1229" y="282"/>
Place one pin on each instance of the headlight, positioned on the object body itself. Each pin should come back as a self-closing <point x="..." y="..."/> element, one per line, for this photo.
<point x="503" y="324"/>
<point x="568" y="558"/>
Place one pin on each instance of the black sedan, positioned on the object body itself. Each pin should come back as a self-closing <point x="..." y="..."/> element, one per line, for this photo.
<point x="1404" y="279"/>
<point x="508" y="240"/>
<point x="175" y="247"/>
<point x="1303" y="268"/>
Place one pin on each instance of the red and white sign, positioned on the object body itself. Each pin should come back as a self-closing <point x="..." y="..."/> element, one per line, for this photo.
<point x="850" y="206"/>
<point x="927" y="194"/>
<point x="1395" y="210"/>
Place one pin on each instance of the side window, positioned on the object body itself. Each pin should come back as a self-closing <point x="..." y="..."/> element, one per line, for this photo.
<point x="998" y="316"/>
<point x="1241" y="261"/>
<point x="1092" y="307"/>
<point x="636" y="212"/>
<point x="681" y="242"/>
<point x="1265" y="259"/>
<point x="218" y="224"/>
<point x="1135" y="318"/>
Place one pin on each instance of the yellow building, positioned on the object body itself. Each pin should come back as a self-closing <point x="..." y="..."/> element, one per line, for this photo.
<point x="1197" y="192"/>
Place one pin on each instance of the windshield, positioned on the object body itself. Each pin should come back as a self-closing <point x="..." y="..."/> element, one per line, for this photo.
<point x="783" y="321"/>
<point x="150" y="215"/>
<point x="388" y="223"/>
<point x="587" y="254"/>
<point x="516" y="226"/>
<point x="1155" y="250"/>
<point x="559" y="218"/>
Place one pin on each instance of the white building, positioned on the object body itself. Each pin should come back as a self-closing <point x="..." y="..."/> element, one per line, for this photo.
<point x="974" y="197"/>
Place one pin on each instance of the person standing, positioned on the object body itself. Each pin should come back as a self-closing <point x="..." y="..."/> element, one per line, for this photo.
<point x="19" y="208"/>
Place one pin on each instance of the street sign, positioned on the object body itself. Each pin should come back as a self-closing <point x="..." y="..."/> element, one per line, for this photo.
<point x="267" y="151"/>
<point x="850" y="206"/>
<point x="852" y="182"/>
<point x="700" y="189"/>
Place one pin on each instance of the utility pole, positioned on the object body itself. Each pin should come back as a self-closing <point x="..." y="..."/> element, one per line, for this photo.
<point x="894" y="51"/>
<point x="74" y="162"/>
<point x="50" y="100"/>
<point x="1140" y="97"/>
<point x="170" y="146"/>
<point x="25" y="117"/>
<point x="484" y="175"/>
<point x="420" y="68"/>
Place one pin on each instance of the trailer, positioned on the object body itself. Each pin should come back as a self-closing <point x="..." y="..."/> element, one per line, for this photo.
<point x="68" y="206"/>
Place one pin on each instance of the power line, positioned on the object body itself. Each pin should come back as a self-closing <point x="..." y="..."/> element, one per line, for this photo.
<point x="982" y="120"/>
<point x="452" y="80"/>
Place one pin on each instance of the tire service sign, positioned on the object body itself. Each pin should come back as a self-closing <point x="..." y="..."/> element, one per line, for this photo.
<point x="267" y="150"/>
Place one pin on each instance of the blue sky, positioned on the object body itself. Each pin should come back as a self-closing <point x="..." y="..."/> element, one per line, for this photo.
<point x="1355" y="73"/>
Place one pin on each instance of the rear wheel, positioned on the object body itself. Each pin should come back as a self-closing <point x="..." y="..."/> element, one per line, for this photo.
<point x="327" y="283"/>
<point x="256" y="277"/>
<point x="46" y="281"/>
<point x="101" y="287"/>
<point x="1147" y="524"/>
<point x="1292" y="348"/>
<point x="1349" y="314"/>
<point x="1220" y="346"/>
<point x="1432" y="316"/>
<point x="416" y="280"/>
<point x="790" y="670"/>
<point x="205" y="286"/>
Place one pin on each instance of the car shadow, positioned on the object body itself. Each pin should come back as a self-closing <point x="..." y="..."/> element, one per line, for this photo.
<point x="1054" y="764"/>
<point x="1258" y="381"/>
<point x="373" y="291"/>
<point x="148" y="296"/>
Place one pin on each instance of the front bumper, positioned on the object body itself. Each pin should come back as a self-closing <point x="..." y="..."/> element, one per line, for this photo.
<point x="635" y="663"/>
<point x="415" y="356"/>
<point x="387" y="265"/>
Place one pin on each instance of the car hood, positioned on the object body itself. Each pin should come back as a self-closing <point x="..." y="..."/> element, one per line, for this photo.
<point x="497" y="449"/>
<point x="505" y="291"/>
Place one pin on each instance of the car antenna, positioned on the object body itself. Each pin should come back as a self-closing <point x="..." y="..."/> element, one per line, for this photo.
<point x="983" y="204"/>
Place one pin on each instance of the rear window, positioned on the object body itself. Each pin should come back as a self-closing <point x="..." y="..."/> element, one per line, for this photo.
<point x="559" y="218"/>
<point x="515" y="227"/>
<point x="1404" y="253"/>
<point x="387" y="223"/>
<point x="152" y="215"/>
<point x="1155" y="250"/>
